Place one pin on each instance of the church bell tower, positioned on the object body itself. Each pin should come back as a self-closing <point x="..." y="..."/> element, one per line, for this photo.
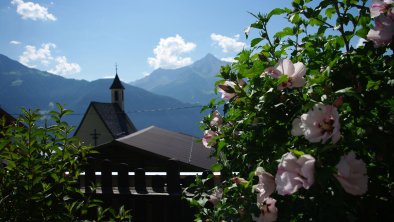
<point x="117" y="89"/>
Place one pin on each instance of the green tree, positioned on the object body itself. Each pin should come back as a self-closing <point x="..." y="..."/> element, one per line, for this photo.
<point x="40" y="170"/>
<point x="305" y="130"/>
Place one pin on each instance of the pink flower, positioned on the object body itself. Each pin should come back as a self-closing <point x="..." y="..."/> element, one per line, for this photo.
<point x="216" y="119"/>
<point x="383" y="32"/>
<point x="216" y="196"/>
<point x="269" y="212"/>
<point x="295" y="73"/>
<point x="208" y="136"/>
<point x="294" y="173"/>
<point x="266" y="185"/>
<point x="379" y="7"/>
<point x="227" y="90"/>
<point x="352" y="174"/>
<point x="319" y="124"/>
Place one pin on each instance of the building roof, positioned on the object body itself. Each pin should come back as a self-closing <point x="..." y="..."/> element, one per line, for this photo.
<point x="116" y="84"/>
<point x="8" y="118"/>
<point x="113" y="117"/>
<point x="170" y="144"/>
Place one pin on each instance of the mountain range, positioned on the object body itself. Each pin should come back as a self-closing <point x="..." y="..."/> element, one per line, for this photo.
<point x="21" y="86"/>
<point x="190" y="84"/>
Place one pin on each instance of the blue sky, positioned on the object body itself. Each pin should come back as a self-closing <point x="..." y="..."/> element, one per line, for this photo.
<point x="83" y="39"/>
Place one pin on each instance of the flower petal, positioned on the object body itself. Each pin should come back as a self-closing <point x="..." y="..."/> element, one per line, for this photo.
<point x="352" y="174"/>
<point x="296" y="130"/>
<point x="299" y="70"/>
<point x="285" y="66"/>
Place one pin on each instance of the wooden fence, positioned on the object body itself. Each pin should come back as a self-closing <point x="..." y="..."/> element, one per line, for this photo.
<point x="149" y="196"/>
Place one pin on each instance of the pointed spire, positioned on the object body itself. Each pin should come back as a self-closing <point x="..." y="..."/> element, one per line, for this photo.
<point x="116" y="84"/>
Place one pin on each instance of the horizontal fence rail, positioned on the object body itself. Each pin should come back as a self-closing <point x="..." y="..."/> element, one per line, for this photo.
<point x="150" y="196"/>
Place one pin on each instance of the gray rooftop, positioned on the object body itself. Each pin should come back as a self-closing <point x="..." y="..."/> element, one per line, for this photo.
<point x="170" y="144"/>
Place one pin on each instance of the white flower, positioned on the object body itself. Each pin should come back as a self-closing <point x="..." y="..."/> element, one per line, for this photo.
<point x="383" y="31"/>
<point x="266" y="185"/>
<point x="294" y="173"/>
<point x="215" y="197"/>
<point x="208" y="136"/>
<point x="247" y="30"/>
<point x="352" y="174"/>
<point x="269" y="212"/>
<point x="228" y="88"/>
<point x="216" y="119"/>
<point x="319" y="124"/>
<point x="379" y="7"/>
<point x="294" y="72"/>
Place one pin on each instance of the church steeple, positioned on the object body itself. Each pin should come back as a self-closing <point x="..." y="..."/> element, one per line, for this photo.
<point x="117" y="88"/>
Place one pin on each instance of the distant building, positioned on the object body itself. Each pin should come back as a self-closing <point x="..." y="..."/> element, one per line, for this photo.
<point x="107" y="127"/>
<point x="152" y="147"/>
<point x="104" y="122"/>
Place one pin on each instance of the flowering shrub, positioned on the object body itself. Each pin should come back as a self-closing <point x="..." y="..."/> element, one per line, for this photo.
<point x="304" y="129"/>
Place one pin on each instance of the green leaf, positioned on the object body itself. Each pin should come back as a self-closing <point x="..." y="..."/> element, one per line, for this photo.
<point x="216" y="167"/>
<point x="285" y="32"/>
<point x="276" y="11"/>
<point x="362" y="32"/>
<point x="315" y="22"/>
<point x="373" y="85"/>
<point x="345" y="90"/>
<point x="295" y="18"/>
<point x="255" y="41"/>
<point x="329" y="12"/>
<point x="283" y="79"/>
<point x="297" y="152"/>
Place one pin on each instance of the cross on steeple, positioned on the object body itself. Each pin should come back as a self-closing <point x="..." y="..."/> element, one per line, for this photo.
<point x="116" y="68"/>
<point x="95" y="136"/>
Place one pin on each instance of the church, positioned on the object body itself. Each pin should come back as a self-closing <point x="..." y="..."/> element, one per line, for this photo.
<point x="107" y="127"/>
<point x="104" y="122"/>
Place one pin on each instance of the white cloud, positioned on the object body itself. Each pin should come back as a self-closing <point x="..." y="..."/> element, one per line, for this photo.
<point x="228" y="59"/>
<point x="64" y="68"/>
<point x="42" y="55"/>
<point x="109" y="76"/>
<point x="32" y="57"/>
<point x="228" y="44"/>
<point x="33" y="11"/>
<point x="168" y="53"/>
<point x="14" y="42"/>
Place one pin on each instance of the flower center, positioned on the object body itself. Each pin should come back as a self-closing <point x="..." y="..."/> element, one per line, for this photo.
<point x="265" y="209"/>
<point x="327" y="126"/>
<point x="287" y="84"/>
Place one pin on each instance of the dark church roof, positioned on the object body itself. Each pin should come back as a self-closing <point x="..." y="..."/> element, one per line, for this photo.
<point x="114" y="118"/>
<point x="116" y="84"/>
<point x="170" y="144"/>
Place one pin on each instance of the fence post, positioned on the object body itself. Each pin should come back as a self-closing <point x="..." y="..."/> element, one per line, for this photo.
<point x="173" y="180"/>
<point x="106" y="177"/>
<point x="90" y="176"/>
<point x="140" y="201"/>
<point x="123" y="179"/>
<point x="158" y="184"/>
<point x="140" y="183"/>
